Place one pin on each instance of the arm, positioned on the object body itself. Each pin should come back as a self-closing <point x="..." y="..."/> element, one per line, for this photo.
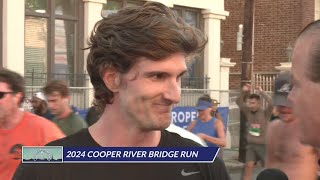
<point x="241" y="100"/>
<point x="269" y="108"/>
<point x="221" y="140"/>
<point x="243" y="95"/>
<point x="218" y="116"/>
<point x="192" y="125"/>
<point x="266" y="97"/>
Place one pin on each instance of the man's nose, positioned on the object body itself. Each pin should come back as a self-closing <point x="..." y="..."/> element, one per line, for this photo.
<point x="173" y="91"/>
<point x="50" y="105"/>
<point x="290" y="97"/>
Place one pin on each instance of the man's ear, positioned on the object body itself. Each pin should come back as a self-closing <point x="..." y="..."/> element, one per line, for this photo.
<point x="66" y="100"/>
<point x="111" y="78"/>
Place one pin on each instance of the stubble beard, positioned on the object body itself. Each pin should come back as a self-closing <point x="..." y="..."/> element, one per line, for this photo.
<point x="152" y="122"/>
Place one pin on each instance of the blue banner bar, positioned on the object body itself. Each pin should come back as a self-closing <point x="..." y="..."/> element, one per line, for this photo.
<point x="139" y="154"/>
<point x="60" y="154"/>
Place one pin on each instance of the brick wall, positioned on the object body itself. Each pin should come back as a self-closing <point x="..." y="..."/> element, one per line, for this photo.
<point x="308" y="11"/>
<point x="234" y="81"/>
<point x="277" y="24"/>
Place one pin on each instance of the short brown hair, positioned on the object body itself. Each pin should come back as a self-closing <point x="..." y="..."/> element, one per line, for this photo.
<point x="313" y="72"/>
<point x="59" y="86"/>
<point x="254" y="96"/>
<point x="14" y="80"/>
<point x="152" y="31"/>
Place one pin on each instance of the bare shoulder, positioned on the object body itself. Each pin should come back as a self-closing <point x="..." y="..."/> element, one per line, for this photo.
<point x="218" y="122"/>
<point x="277" y="123"/>
<point x="273" y="128"/>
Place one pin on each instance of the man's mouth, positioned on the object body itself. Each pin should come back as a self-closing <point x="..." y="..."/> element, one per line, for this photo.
<point x="163" y="108"/>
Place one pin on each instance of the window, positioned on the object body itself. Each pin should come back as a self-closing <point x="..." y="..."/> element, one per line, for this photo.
<point x="53" y="31"/>
<point x="194" y="78"/>
<point x="112" y="6"/>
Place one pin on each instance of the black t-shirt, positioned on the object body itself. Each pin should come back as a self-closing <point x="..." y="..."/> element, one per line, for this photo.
<point x="136" y="171"/>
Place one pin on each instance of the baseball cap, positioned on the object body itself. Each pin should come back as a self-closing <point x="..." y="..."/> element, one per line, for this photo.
<point x="39" y="95"/>
<point x="214" y="101"/>
<point x="282" y="86"/>
<point x="203" y="105"/>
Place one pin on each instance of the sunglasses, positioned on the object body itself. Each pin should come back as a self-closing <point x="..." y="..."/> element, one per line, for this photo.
<point x="2" y="94"/>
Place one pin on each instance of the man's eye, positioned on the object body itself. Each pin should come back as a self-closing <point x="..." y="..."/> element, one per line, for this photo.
<point x="158" y="76"/>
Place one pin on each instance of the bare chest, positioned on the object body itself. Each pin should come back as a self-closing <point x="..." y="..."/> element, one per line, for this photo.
<point x="287" y="147"/>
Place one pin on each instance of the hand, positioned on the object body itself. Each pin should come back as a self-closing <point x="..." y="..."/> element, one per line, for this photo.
<point x="259" y="89"/>
<point x="202" y="135"/>
<point x="246" y="87"/>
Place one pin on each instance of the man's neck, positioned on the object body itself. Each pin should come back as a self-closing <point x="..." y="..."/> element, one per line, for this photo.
<point x="65" y="114"/>
<point x="113" y="131"/>
<point x="207" y="118"/>
<point x="11" y="121"/>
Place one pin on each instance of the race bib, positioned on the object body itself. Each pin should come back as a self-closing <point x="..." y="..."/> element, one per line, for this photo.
<point x="255" y="129"/>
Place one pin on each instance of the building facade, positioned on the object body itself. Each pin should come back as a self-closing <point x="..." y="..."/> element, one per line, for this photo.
<point x="44" y="39"/>
<point x="276" y="25"/>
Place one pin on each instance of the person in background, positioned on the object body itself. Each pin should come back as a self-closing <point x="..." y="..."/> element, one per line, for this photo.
<point x="215" y="104"/>
<point x="58" y="97"/>
<point x="19" y="128"/>
<point x="287" y="153"/>
<point x="275" y="113"/>
<point x="257" y="122"/>
<point x="136" y="60"/>
<point x="215" y="112"/>
<point x="209" y="128"/>
<point x="40" y="106"/>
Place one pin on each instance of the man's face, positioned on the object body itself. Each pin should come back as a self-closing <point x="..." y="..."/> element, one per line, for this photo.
<point x="285" y="113"/>
<point x="215" y="107"/>
<point x="148" y="91"/>
<point x="9" y="103"/>
<point x="253" y="104"/>
<point x="305" y="94"/>
<point x="57" y="103"/>
<point x="35" y="102"/>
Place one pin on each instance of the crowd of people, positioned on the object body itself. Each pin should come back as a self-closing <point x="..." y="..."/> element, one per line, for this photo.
<point x="136" y="59"/>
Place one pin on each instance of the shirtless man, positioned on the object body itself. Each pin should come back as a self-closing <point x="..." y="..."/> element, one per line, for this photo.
<point x="284" y="150"/>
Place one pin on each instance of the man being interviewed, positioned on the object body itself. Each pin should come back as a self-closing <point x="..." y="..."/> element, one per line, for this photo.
<point x="136" y="60"/>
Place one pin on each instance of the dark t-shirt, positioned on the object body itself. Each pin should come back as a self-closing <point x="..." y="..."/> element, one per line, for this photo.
<point x="139" y="171"/>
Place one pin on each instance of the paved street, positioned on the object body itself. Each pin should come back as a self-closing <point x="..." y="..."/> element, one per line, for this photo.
<point x="237" y="174"/>
<point x="235" y="167"/>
